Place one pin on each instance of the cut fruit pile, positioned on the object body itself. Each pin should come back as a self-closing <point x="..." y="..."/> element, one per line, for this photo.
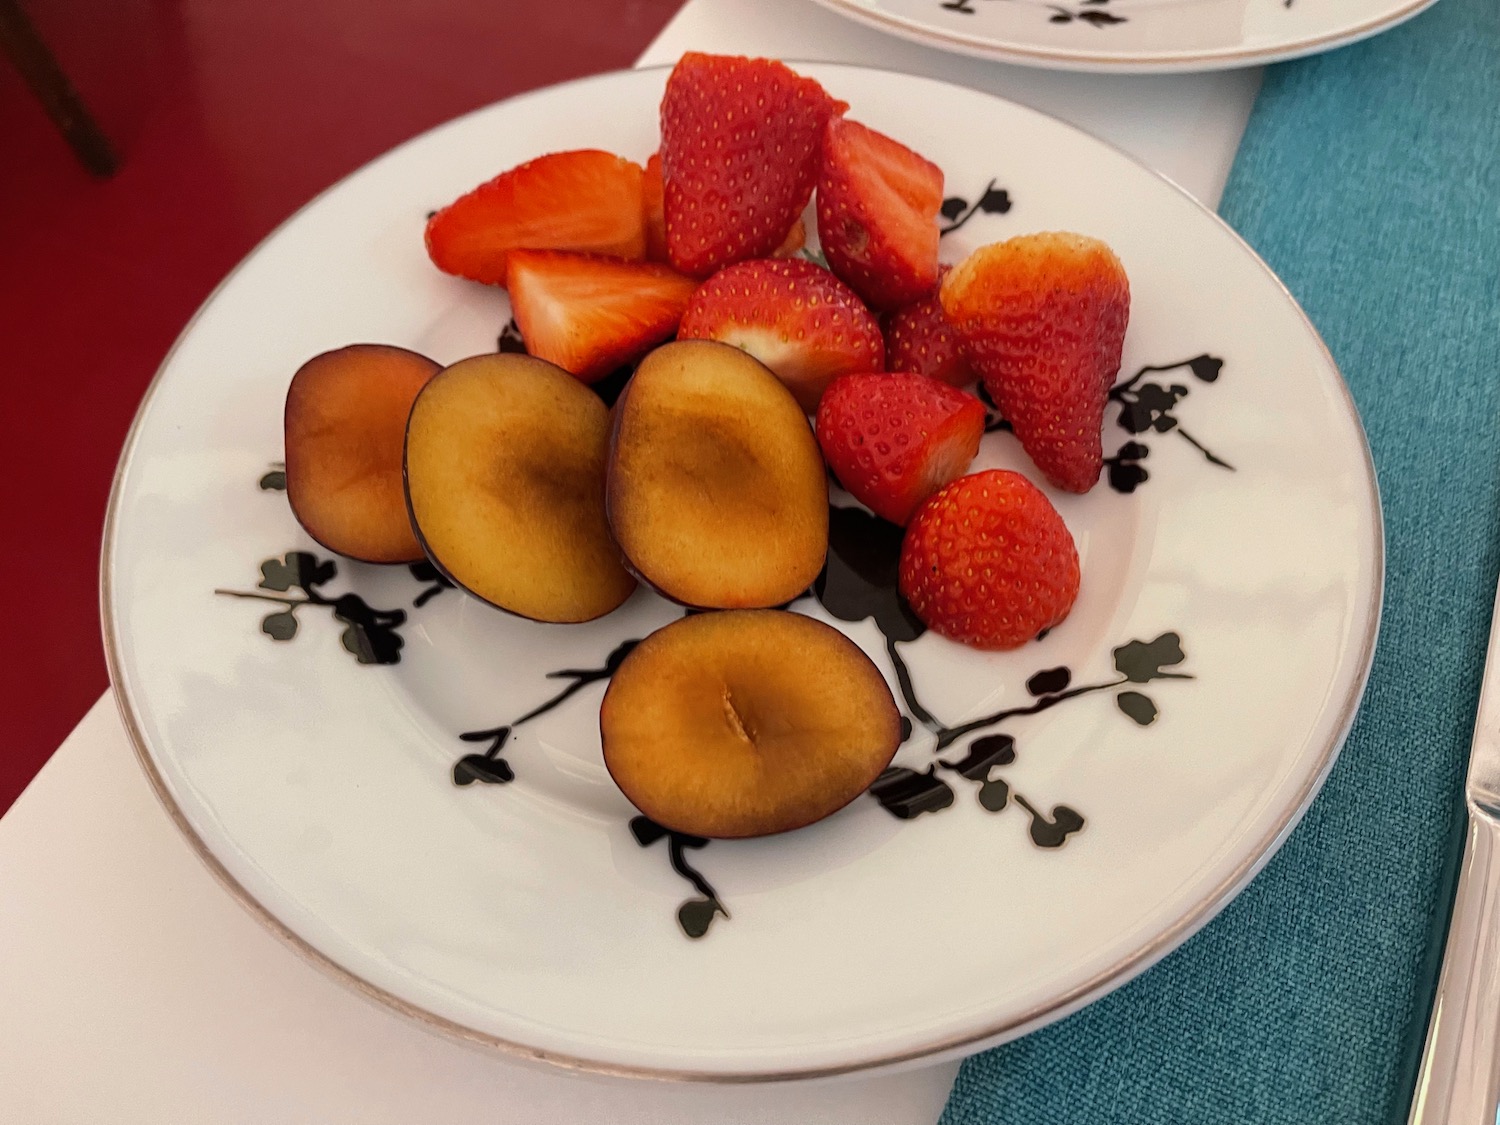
<point x="686" y="278"/>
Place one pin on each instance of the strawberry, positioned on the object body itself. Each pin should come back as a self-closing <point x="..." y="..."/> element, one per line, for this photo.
<point x="799" y="320"/>
<point x="919" y="338"/>
<point x="893" y="439"/>
<point x="587" y="200"/>
<point x="1042" y="319"/>
<point x="656" y="221"/>
<point x="988" y="561"/>
<point x="878" y="205"/>
<point x="654" y="216"/>
<point x="589" y="315"/>
<point x="739" y="157"/>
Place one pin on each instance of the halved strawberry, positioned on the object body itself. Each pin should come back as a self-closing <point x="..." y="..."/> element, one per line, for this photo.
<point x="655" y="216"/>
<point x="590" y="315"/>
<point x="586" y="201"/>
<point x="739" y="157"/>
<point x="893" y="439"/>
<point x="799" y="320"/>
<point x="1042" y="318"/>
<point x="919" y="338"/>
<point x="878" y="205"/>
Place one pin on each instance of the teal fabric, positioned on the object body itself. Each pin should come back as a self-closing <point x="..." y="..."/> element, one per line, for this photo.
<point x="1369" y="179"/>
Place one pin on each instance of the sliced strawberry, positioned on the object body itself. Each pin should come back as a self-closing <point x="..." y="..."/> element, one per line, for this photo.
<point x="893" y="439"/>
<point x="987" y="561"/>
<point x="1042" y="319"/>
<point x="590" y="315"/>
<point x="655" y="217"/>
<point x="799" y="320"/>
<point x="587" y="201"/>
<point x="878" y="205"/>
<point x="739" y="157"/>
<point x="919" y="338"/>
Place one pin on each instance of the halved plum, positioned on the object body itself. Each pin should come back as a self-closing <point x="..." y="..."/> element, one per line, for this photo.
<point x="345" y="422"/>
<point x="716" y="488"/>
<point x="746" y="723"/>
<point x="505" y="483"/>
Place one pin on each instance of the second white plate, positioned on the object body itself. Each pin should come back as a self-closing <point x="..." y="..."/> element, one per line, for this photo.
<point x="1133" y="36"/>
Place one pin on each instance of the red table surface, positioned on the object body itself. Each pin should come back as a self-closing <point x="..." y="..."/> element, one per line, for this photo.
<point x="227" y="115"/>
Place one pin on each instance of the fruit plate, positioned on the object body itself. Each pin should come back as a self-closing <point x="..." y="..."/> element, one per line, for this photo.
<point x="406" y="784"/>
<point x="1133" y="36"/>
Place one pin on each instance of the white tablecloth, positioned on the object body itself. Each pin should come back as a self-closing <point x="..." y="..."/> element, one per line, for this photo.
<point x="133" y="989"/>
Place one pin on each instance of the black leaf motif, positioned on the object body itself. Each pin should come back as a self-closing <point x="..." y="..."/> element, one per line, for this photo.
<point x="984" y="753"/>
<point x="1051" y="832"/>
<point x="1061" y="17"/>
<point x="296" y="568"/>
<point x="906" y="793"/>
<point x="1049" y="681"/>
<point x="274" y="481"/>
<point x="510" y="339"/>
<point x="371" y="635"/>
<point x="994" y="795"/>
<point x="646" y="831"/>
<point x="1139" y="707"/>
<point x="1100" y="19"/>
<point x="424" y="571"/>
<point x="953" y="207"/>
<point x="994" y="201"/>
<point x="479" y="767"/>
<point x="1206" y="367"/>
<point x="859" y="578"/>
<point x="280" y="626"/>
<point x="1140" y="662"/>
<point x="696" y="915"/>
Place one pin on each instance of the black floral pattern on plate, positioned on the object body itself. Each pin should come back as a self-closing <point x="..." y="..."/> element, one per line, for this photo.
<point x="369" y="634"/>
<point x="1092" y="12"/>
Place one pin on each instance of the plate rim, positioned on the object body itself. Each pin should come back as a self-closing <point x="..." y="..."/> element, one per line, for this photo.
<point x="1103" y="62"/>
<point x="1106" y="980"/>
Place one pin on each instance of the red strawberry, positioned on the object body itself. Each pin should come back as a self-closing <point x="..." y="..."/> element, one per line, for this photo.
<point x="1042" y="319"/>
<point x="588" y="201"/>
<point x="988" y="561"/>
<point x="919" y="338"/>
<point x="656" y="222"/>
<point x="590" y="315"/>
<point x="796" y="318"/>
<point x="893" y="439"/>
<point x="878" y="205"/>
<point x="655" y="217"/>
<point x="739" y="157"/>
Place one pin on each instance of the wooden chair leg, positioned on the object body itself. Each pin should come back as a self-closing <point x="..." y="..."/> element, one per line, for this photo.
<point x="24" y="47"/>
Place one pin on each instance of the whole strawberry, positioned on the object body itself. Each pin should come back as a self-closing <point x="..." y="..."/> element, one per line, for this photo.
<point x="799" y="320"/>
<point x="894" y="438"/>
<point x="919" y="338"/>
<point x="878" y="205"/>
<point x="740" y="143"/>
<point x="1042" y="319"/>
<point x="988" y="562"/>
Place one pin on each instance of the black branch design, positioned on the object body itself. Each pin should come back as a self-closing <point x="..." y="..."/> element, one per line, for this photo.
<point x="1147" y="407"/>
<point x="369" y="633"/>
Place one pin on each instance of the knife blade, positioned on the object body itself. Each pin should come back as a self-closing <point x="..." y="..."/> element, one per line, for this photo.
<point x="1458" y="1082"/>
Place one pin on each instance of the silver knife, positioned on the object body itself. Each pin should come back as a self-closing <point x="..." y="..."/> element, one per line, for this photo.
<point x="1459" y="1079"/>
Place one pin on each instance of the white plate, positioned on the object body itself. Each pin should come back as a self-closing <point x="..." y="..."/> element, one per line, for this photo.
<point x="1133" y="36"/>
<point x="528" y="914"/>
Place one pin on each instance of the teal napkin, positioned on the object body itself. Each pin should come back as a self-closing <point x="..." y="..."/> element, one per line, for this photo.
<point x="1369" y="179"/>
